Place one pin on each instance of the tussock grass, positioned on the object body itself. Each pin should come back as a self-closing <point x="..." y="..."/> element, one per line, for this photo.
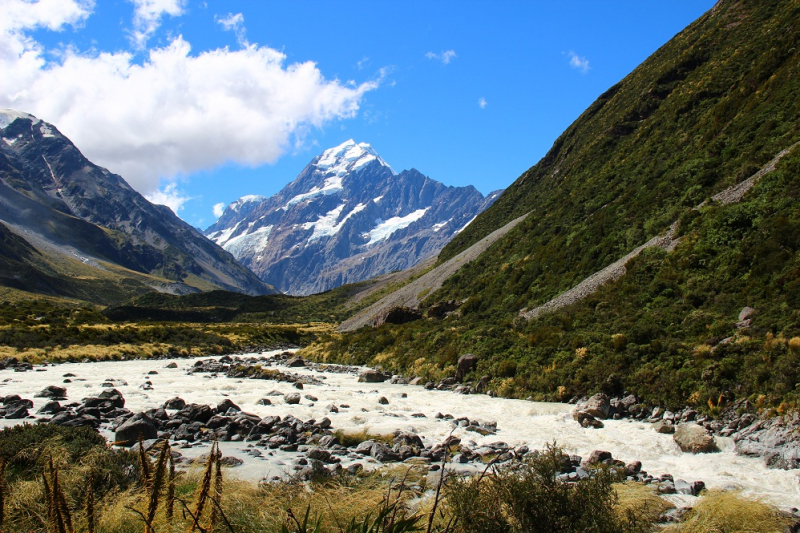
<point x="729" y="511"/>
<point x="640" y="502"/>
<point x="354" y="438"/>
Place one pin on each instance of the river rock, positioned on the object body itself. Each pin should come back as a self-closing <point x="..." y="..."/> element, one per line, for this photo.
<point x="138" y="425"/>
<point x="195" y="413"/>
<point x="694" y="438"/>
<point x="175" y="403"/>
<point x="224" y="405"/>
<point x="372" y="376"/>
<point x="17" y="411"/>
<point x="292" y="399"/>
<point x="466" y="364"/>
<point x="50" y="408"/>
<point x="664" y="427"/>
<point x="295" y="362"/>
<point x="52" y="392"/>
<point x="597" y="456"/>
<point x="598" y="406"/>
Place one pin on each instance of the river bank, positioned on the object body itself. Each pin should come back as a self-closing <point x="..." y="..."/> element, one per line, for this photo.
<point x="383" y="408"/>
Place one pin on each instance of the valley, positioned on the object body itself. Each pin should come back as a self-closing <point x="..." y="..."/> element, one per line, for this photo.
<point x="614" y="337"/>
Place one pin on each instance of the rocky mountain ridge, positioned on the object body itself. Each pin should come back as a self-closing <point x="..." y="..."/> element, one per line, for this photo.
<point x="347" y="217"/>
<point x="80" y="222"/>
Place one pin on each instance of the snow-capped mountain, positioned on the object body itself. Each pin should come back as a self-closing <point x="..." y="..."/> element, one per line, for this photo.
<point x="347" y="217"/>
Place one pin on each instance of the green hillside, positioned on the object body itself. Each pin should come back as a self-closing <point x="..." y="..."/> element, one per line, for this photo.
<point x="705" y="112"/>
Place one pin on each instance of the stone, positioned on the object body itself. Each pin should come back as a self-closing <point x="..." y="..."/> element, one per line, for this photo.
<point x="195" y="413"/>
<point x="320" y="455"/>
<point x="372" y="376"/>
<point x="138" y="425"/>
<point x="383" y="401"/>
<point x="466" y="364"/>
<point x="311" y="398"/>
<point x="598" y="406"/>
<point x="332" y="408"/>
<point x="50" y="408"/>
<point x="172" y="365"/>
<point x="682" y="487"/>
<point x="416" y="381"/>
<point x="746" y="313"/>
<point x="694" y="438"/>
<point x="17" y="411"/>
<point x="631" y="469"/>
<point x="398" y="315"/>
<point x="264" y="401"/>
<point x="664" y="427"/>
<point x="52" y="392"/>
<point x="295" y="362"/>
<point x="175" y="403"/>
<point x="292" y="399"/>
<point x="598" y="456"/>
<point x="227" y="403"/>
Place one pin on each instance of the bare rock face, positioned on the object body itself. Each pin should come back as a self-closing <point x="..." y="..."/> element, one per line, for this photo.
<point x="694" y="438"/>
<point x="466" y="363"/>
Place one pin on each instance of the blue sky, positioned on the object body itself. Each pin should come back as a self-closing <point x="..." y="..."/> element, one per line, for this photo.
<point x="199" y="103"/>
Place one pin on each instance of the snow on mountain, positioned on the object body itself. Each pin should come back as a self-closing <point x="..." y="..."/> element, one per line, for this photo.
<point x="345" y="218"/>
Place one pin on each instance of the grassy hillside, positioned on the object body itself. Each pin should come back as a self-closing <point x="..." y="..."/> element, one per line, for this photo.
<point x="706" y="111"/>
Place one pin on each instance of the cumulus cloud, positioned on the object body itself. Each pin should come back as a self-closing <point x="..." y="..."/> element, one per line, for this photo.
<point x="173" y="113"/>
<point x="234" y="23"/>
<point x="219" y="209"/>
<point x="578" y="62"/>
<point x="170" y="196"/>
<point x="147" y="16"/>
<point x="482" y="103"/>
<point x="445" y="57"/>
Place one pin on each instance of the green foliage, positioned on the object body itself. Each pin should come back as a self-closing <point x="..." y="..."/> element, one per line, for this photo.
<point x="532" y="498"/>
<point x="706" y="111"/>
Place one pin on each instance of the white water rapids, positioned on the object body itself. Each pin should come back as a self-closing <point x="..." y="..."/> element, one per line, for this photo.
<point x="518" y="422"/>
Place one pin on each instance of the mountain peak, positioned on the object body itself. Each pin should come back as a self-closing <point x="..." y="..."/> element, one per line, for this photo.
<point x="348" y="157"/>
<point x="7" y="116"/>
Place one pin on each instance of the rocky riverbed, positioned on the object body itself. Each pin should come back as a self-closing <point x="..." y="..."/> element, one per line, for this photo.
<point x="277" y="416"/>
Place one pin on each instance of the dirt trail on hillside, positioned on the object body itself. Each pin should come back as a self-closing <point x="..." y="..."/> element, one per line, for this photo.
<point x="414" y="292"/>
<point x="667" y="241"/>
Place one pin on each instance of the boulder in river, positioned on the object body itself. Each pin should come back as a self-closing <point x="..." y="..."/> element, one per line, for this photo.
<point x="52" y="392"/>
<point x="138" y="425"/>
<point x="372" y="376"/>
<point x="598" y="406"/>
<point x="175" y="403"/>
<point x="292" y="399"/>
<point x="694" y="438"/>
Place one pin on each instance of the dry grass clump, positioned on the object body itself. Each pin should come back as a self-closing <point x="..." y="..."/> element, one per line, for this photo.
<point x="640" y="501"/>
<point x="728" y="511"/>
<point x="354" y="438"/>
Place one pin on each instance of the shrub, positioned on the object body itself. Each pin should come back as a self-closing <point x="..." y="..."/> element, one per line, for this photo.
<point x="531" y="498"/>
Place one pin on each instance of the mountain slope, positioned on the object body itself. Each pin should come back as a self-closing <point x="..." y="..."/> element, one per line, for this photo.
<point x="347" y="217"/>
<point x="65" y="207"/>
<point x="705" y="112"/>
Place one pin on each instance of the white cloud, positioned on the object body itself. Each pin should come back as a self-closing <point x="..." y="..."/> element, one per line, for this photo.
<point x="219" y="209"/>
<point x="174" y="112"/>
<point x="482" y="103"/>
<point x="445" y="57"/>
<point x="578" y="62"/>
<point x="234" y="23"/>
<point x="362" y="62"/>
<point x="147" y="16"/>
<point x="169" y="196"/>
<point x="20" y="15"/>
